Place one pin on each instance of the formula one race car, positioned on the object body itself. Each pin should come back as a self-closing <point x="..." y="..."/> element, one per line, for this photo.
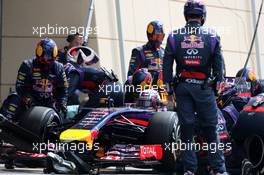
<point x="104" y="137"/>
<point x="40" y="124"/>
<point x="118" y="137"/>
<point x="22" y="141"/>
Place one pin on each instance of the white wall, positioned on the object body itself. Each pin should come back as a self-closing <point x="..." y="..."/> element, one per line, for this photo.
<point x="19" y="16"/>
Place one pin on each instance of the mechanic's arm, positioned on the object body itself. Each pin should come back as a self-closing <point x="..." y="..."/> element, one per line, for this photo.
<point x="61" y="92"/>
<point x="257" y="87"/>
<point x="74" y="80"/>
<point x="168" y="61"/>
<point x="62" y="54"/>
<point x="134" y="63"/>
<point x="218" y="60"/>
<point x="23" y="83"/>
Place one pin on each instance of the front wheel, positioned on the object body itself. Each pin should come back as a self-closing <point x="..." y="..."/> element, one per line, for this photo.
<point x="38" y="119"/>
<point x="163" y="129"/>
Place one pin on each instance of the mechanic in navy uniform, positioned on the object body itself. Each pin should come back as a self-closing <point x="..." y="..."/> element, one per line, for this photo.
<point x="72" y="74"/>
<point x="74" y="40"/>
<point x="40" y="81"/>
<point x="82" y="76"/>
<point x="256" y="86"/>
<point x="92" y="80"/>
<point x="151" y="54"/>
<point x="198" y="56"/>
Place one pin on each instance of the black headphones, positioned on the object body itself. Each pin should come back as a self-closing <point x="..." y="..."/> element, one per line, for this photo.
<point x="71" y="37"/>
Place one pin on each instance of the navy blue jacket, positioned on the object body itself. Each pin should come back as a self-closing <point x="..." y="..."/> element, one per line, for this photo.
<point x="148" y="57"/>
<point x="197" y="53"/>
<point x="44" y="85"/>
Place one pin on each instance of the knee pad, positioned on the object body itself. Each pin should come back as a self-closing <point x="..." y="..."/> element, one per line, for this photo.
<point x="11" y="105"/>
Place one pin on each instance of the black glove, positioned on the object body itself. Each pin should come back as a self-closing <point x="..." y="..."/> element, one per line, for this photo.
<point x="27" y="101"/>
<point x="61" y="108"/>
<point x="64" y="109"/>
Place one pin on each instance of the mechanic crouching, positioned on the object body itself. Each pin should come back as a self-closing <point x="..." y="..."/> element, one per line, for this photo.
<point x="197" y="52"/>
<point x="40" y="81"/>
<point x="82" y="77"/>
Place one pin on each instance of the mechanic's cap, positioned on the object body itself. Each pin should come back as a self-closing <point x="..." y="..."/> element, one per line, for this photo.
<point x="46" y="51"/>
<point x="247" y="73"/>
<point x="155" y="27"/>
<point x="71" y="37"/>
<point x="195" y="7"/>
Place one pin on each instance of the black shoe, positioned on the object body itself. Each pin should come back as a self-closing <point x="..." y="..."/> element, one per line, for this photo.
<point x="188" y="173"/>
<point x="10" y="165"/>
<point x="247" y="167"/>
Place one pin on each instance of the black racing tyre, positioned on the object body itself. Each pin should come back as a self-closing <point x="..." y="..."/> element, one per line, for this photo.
<point x="248" y="124"/>
<point x="163" y="129"/>
<point x="254" y="147"/>
<point x="38" y="118"/>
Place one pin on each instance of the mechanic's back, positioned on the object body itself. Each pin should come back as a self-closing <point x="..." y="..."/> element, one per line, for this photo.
<point x="197" y="53"/>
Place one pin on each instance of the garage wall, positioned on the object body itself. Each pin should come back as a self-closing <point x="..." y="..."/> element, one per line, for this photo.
<point x="19" y="39"/>
<point x="232" y="19"/>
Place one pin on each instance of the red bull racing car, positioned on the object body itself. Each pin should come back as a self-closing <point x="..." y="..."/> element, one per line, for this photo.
<point x="122" y="137"/>
<point x="118" y="137"/>
<point x="103" y="137"/>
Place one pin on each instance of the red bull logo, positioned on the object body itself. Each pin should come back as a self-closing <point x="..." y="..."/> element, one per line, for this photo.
<point x="155" y="65"/>
<point x="192" y="38"/>
<point x="192" y="41"/>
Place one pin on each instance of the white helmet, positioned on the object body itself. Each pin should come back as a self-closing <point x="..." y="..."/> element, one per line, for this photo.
<point x="82" y="55"/>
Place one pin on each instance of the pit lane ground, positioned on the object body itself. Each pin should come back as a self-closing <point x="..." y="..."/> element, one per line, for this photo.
<point x="111" y="170"/>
